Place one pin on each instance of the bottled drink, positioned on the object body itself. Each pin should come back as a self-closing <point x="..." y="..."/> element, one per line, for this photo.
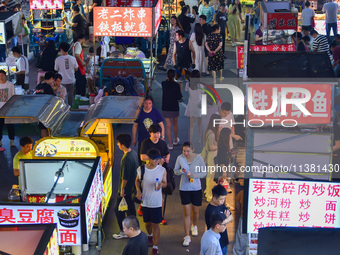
<point x="14" y="194"/>
<point x="157" y="183"/>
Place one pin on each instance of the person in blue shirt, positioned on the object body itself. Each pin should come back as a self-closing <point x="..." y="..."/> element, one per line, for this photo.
<point x="207" y="10"/>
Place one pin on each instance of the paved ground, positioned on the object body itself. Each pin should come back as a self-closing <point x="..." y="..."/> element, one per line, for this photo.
<point x="172" y="234"/>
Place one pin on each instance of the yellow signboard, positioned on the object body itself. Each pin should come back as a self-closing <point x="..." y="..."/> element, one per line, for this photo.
<point x="65" y="148"/>
<point x="247" y="2"/>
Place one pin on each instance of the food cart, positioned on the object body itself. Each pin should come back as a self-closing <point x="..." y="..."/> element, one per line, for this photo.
<point x="10" y="26"/>
<point x="40" y="239"/>
<point x="48" y="22"/>
<point x="135" y="22"/>
<point x="66" y="192"/>
<point x="74" y="134"/>
<point x="278" y="21"/>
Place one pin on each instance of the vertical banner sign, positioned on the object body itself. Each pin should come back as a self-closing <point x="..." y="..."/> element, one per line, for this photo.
<point x="123" y="21"/>
<point x="261" y="48"/>
<point x="158" y="15"/>
<point x="287" y="203"/>
<point x="319" y="104"/>
<point x="2" y="33"/>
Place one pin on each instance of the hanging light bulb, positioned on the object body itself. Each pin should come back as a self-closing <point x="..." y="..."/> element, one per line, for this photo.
<point x="61" y="176"/>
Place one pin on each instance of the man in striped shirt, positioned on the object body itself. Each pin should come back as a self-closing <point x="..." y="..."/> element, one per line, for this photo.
<point x="320" y="43"/>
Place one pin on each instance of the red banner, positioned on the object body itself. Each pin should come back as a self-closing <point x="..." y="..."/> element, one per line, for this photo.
<point x="126" y="3"/>
<point x="158" y="15"/>
<point x="282" y="21"/>
<point x="123" y="21"/>
<point x="273" y="47"/>
<point x="266" y="96"/>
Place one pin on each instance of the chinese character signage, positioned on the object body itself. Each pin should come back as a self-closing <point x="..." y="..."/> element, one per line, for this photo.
<point x="299" y="103"/>
<point x="280" y="21"/>
<point x="66" y="217"/>
<point x="287" y="203"/>
<point x="122" y="3"/>
<point x="65" y="148"/>
<point x="158" y="15"/>
<point x="93" y="200"/>
<point x="46" y="4"/>
<point x="123" y="21"/>
<point x="263" y="48"/>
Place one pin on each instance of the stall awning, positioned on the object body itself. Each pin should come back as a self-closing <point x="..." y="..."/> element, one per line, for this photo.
<point x="46" y="109"/>
<point x="115" y="109"/>
<point x="68" y="127"/>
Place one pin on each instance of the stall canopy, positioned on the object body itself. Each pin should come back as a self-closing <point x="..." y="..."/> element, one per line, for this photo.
<point x="46" y="109"/>
<point x="56" y="115"/>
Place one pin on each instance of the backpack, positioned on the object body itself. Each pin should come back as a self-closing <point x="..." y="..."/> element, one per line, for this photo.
<point x="170" y="178"/>
<point x="134" y="190"/>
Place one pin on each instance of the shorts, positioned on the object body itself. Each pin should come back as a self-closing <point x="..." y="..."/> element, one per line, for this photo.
<point x="191" y="197"/>
<point x="153" y="215"/>
<point x="170" y="114"/>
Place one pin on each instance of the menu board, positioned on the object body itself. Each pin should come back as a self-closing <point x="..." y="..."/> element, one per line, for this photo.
<point x="287" y="203"/>
<point x="66" y="217"/>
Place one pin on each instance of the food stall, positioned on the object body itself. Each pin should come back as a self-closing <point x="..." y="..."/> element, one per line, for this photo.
<point x="48" y="22"/>
<point x="61" y="191"/>
<point x="74" y="134"/>
<point x="10" y="26"/>
<point x="39" y="239"/>
<point x="278" y="21"/>
<point x="142" y="21"/>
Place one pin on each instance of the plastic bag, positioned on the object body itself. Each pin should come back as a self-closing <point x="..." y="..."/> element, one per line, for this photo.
<point x="123" y="205"/>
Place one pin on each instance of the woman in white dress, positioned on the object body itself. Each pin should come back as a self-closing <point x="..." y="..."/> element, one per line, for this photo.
<point x="198" y="39"/>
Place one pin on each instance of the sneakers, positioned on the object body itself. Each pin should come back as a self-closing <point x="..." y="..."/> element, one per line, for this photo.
<point x="186" y="241"/>
<point x="119" y="235"/>
<point x="155" y="251"/>
<point x="194" y="230"/>
<point x="140" y="213"/>
<point x="221" y="78"/>
<point x="164" y="222"/>
<point x="170" y="147"/>
<point x="176" y="143"/>
<point x="150" y="241"/>
<point x="12" y="143"/>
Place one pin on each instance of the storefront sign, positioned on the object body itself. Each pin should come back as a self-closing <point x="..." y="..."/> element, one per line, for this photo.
<point x="67" y="219"/>
<point x="46" y="4"/>
<point x="263" y="48"/>
<point x="124" y="3"/>
<point x="317" y="101"/>
<point x="280" y="21"/>
<point x="158" y="15"/>
<point x="93" y="200"/>
<point x="288" y="203"/>
<point x="65" y="148"/>
<point x="123" y="21"/>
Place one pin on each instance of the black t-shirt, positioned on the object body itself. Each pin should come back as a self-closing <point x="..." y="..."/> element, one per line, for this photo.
<point x="224" y="241"/>
<point x="206" y="29"/>
<point x="301" y="46"/>
<point x="44" y="88"/>
<point x="79" y="28"/>
<point x="128" y="170"/>
<point x="137" y="245"/>
<point x="171" y="95"/>
<point x="183" y="54"/>
<point x="221" y="19"/>
<point x="185" y="22"/>
<point x="99" y="3"/>
<point x="148" y="144"/>
<point x="48" y="57"/>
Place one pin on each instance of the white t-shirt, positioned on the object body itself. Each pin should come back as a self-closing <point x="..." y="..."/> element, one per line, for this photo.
<point x="6" y="92"/>
<point x="65" y="65"/>
<point x="331" y="10"/>
<point x="306" y="16"/>
<point x="22" y="65"/>
<point x="152" y="198"/>
<point x="77" y="49"/>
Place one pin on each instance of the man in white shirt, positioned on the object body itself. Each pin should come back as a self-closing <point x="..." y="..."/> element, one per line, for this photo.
<point x="331" y="10"/>
<point x="307" y="14"/>
<point x="6" y="92"/>
<point x="66" y="65"/>
<point x="77" y="50"/>
<point x="22" y="68"/>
